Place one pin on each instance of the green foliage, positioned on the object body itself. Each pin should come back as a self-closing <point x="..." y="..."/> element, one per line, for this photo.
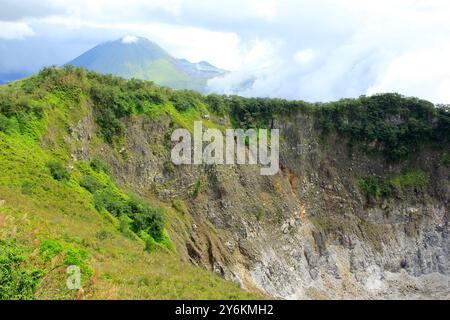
<point x="111" y="201"/>
<point x="146" y="218"/>
<point x="387" y="187"/>
<point x="98" y="165"/>
<point x="51" y="248"/>
<point x="27" y="188"/>
<point x="150" y="243"/>
<point x="389" y="123"/>
<point x="375" y="186"/>
<point x="58" y="170"/>
<point x="183" y="100"/>
<point x="125" y="226"/>
<point x="103" y="235"/>
<point x="199" y="187"/>
<point x="446" y="159"/>
<point x="134" y="213"/>
<point x="91" y="183"/>
<point x="5" y="123"/>
<point x="411" y="179"/>
<point x="180" y="206"/>
<point x="217" y="104"/>
<point x="110" y="125"/>
<point x="259" y="215"/>
<point x="17" y="281"/>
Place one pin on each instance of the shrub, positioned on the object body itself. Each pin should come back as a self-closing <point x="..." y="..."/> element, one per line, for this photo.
<point x="134" y="213"/>
<point x="27" y="188"/>
<point x="103" y="235"/>
<point x="180" y="206"/>
<point x="5" y="123"/>
<point x="150" y="243"/>
<point x="411" y="179"/>
<point x="183" y="100"/>
<point x="387" y="187"/>
<point x="98" y="165"/>
<point x="58" y="170"/>
<point x="198" y="188"/>
<point x="370" y="186"/>
<point x="111" y="201"/>
<point x="50" y="248"/>
<point x="446" y="159"/>
<point x="391" y="124"/>
<point x="91" y="183"/>
<point x="146" y="218"/>
<point x="17" y="281"/>
<point x="217" y="104"/>
<point x="110" y="125"/>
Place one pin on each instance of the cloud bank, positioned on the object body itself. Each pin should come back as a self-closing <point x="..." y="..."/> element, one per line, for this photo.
<point x="311" y="50"/>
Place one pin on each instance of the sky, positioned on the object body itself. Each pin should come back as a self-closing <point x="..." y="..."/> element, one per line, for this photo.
<point x="317" y="50"/>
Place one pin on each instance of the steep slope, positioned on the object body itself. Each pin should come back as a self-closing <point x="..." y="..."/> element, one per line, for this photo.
<point x="50" y="219"/>
<point x="137" y="57"/>
<point x="360" y="208"/>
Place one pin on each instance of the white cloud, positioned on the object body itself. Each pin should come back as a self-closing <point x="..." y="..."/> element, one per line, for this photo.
<point x="14" y="30"/>
<point x="422" y="73"/>
<point x="304" y="56"/>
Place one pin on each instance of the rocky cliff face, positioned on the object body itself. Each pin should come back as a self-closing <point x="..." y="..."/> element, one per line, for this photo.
<point x="307" y="232"/>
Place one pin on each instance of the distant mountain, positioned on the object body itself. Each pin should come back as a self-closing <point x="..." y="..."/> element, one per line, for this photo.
<point x="137" y="57"/>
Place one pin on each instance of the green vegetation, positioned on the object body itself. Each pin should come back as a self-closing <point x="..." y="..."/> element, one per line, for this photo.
<point x="376" y="186"/>
<point x="199" y="186"/>
<point x="51" y="248"/>
<point x="408" y="179"/>
<point x="390" y="124"/>
<point x="17" y="280"/>
<point x="51" y="217"/>
<point x="180" y="206"/>
<point x="99" y="165"/>
<point x="446" y="159"/>
<point x="411" y="179"/>
<point x="134" y="214"/>
<point x="82" y="216"/>
<point x="58" y="171"/>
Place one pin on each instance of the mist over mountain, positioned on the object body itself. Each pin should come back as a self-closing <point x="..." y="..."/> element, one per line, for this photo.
<point x="138" y="57"/>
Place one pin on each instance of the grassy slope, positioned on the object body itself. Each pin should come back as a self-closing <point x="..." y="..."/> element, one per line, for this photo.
<point x="34" y="207"/>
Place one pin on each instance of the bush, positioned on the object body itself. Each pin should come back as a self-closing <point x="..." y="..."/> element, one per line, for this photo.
<point x="91" y="183"/>
<point x="110" y="125"/>
<point x="180" y="206"/>
<point x="411" y="179"/>
<point x="150" y="243"/>
<point x="103" y="235"/>
<point x="5" y="123"/>
<point x="98" y="164"/>
<point x="111" y="201"/>
<point x="217" y="104"/>
<point x="183" y="100"/>
<point x="370" y="186"/>
<point x="134" y="213"/>
<point x="50" y="248"/>
<point x="27" y="188"/>
<point x="446" y="159"/>
<point x="58" y="170"/>
<point x="387" y="187"/>
<point x="17" y="281"/>
<point x="393" y="125"/>
<point x="199" y="187"/>
<point x="146" y="218"/>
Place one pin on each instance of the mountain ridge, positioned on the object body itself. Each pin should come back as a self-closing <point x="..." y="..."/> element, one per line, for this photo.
<point x="140" y="58"/>
<point x="359" y="209"/>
